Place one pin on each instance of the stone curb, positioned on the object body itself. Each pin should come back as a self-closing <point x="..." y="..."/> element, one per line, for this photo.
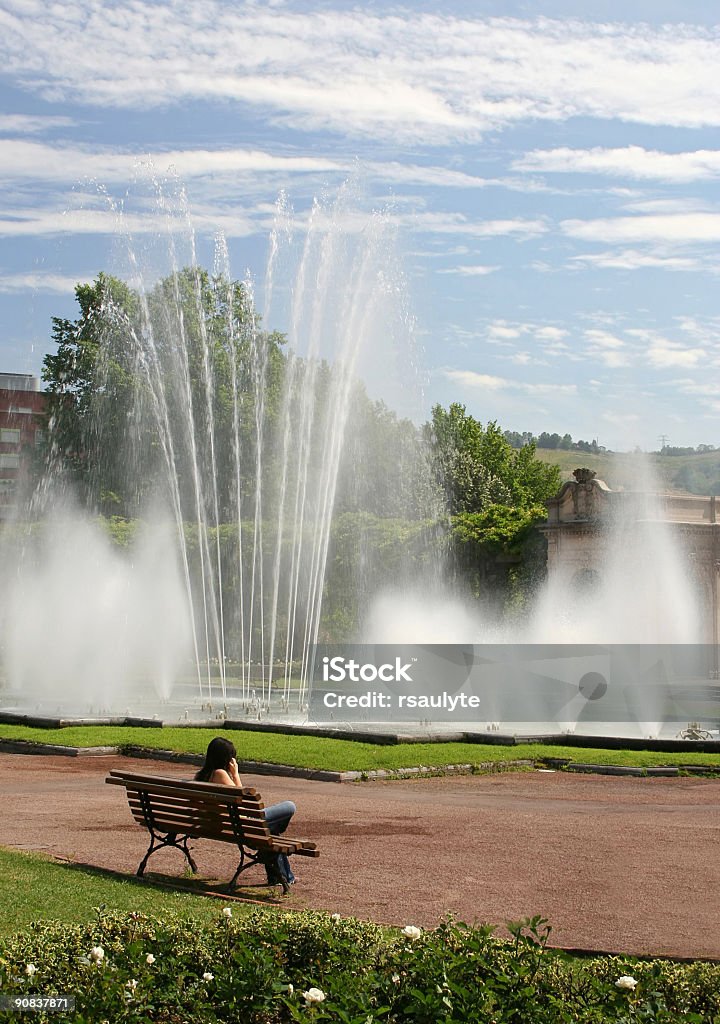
<point x="616" y="769"/>
<point x="425" y="772"/>
<point x="31" y="747"/>
<point x="603" y="769"/>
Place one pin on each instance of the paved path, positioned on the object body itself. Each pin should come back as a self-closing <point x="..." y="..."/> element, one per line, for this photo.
<point x="622" y="864"/>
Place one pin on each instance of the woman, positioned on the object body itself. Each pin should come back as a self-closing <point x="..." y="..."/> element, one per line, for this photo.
<point x="221" y="768"/>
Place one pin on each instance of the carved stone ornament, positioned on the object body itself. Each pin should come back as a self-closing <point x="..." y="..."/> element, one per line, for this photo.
<point x="584" y="476"/>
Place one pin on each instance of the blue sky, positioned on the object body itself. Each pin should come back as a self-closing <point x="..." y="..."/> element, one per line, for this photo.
<point x="551" y="169"/>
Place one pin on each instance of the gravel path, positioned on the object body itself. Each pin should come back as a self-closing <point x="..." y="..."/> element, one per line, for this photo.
<point x="624" y="864"/>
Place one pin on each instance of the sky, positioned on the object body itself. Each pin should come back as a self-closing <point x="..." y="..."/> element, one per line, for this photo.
<point x="550" y="171"/>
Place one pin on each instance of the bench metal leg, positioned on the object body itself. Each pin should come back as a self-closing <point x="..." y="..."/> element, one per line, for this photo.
<point x="246" y="861"/>
<point x="232" y="884"/>
<point x="158" y="841"/>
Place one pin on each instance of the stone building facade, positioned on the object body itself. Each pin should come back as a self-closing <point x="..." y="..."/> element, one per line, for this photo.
<point x="580" y="526"/>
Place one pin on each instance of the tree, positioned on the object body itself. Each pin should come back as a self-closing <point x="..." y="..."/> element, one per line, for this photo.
<point x="477" y="467"/>
<point x="495" y="494"/>
<point x="138" y="380"/>
<point x="87" y="382"/>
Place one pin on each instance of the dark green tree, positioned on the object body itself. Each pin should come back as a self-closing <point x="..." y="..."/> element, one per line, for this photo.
<point x="89" y="384"/>
<point x="494" y="493"/>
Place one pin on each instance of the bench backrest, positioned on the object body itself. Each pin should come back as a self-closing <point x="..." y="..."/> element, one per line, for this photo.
<point x="200" y="809"/>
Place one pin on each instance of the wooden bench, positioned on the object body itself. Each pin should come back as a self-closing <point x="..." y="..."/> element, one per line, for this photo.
<point x="174" y="811"/>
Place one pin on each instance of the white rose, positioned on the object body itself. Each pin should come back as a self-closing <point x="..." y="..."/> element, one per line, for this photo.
<point x="97" y="953"/>
<point x="132" y="984"/>
<point x="626" y="982"/>
<point x="290" y="989"/>
<point x="207" y="976"/>
<point x="336" y="917"/>
<point x="149" y="959"/>
<point x="314" y="995"/>
<point x="395" y="979"/>
<point x="30" y="969"/>
<point x="411" y="931"/>
<point x="227" y="912"/>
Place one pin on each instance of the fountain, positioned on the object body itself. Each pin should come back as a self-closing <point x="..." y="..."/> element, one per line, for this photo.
<point x="224" y="450"/>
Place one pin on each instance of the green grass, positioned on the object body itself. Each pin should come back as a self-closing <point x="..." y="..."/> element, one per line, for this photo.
<point x="342" y="755"/>
<point x="34" y="888"/>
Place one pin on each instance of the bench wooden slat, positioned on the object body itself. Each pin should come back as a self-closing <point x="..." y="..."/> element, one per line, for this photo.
<point x="198" y="832"/>
<point x="199" y="803"/>
<point x="190" y="790"/>
<point x="179" y="821"/>
<point x="219" y="820"/>
<point x="169" y="780"/>
<point x="194" y="814"/>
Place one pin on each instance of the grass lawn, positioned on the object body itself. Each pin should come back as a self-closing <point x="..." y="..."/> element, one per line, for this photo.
<point x="343" y="755"/>
<point x="34" y="888"/>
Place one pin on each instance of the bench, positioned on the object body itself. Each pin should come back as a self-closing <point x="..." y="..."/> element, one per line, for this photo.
<point x="174" y="811"/>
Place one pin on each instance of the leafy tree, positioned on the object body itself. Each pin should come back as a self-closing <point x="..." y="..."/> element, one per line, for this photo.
<point x="495" y="494"/>
<point x="477" y="467"/>
<point x="84" y="403"/>
<point x="133" y="372"/>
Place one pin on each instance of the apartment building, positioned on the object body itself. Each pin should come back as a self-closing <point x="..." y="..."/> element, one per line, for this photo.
<point x="21" y="401"/>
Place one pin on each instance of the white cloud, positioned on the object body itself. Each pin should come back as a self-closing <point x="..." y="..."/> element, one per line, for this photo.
<point x="629" y="162"/>
<point x="37" y="222"/>
<point x="458" y="223"/>
<point x="691" y="227"/>
<point x="41" y="281"/>
<point x="487" y="382"/>
<point x="707" y="390"/>
<point x="470" y="270"/>
<point x="602" y="339"/>
<point x="607" y="349"/>
<point x="22" y="159"/>
<point x="666" y="355"/>
<point x="505" y="331"/>
<point x="633" y="259"/>
<point x="407" y="76"/>
<point x="470" y="379"/>
<point x="685" y="204"/>
<point x="550" y="333"/>
<point x="413" y="174"/>
<point x="32" y="124"/>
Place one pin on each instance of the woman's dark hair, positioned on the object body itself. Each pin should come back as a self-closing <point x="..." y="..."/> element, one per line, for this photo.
<point x="220" y="753"/>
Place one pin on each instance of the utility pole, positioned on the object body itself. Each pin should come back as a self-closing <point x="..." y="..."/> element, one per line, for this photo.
<point x="663" y="439"/>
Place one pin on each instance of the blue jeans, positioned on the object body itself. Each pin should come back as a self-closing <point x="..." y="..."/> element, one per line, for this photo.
<point x="278" y="818"/>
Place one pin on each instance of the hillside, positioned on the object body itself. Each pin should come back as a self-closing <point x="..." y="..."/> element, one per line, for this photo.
<point x="694" y="474"/>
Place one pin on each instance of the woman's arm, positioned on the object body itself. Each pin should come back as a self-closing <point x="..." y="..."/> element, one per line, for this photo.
<point x="234" y="774"/>
<point x="229" y="777"/>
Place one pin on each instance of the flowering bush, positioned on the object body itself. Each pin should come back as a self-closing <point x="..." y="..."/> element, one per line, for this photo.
<point x="278" y="968"/>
